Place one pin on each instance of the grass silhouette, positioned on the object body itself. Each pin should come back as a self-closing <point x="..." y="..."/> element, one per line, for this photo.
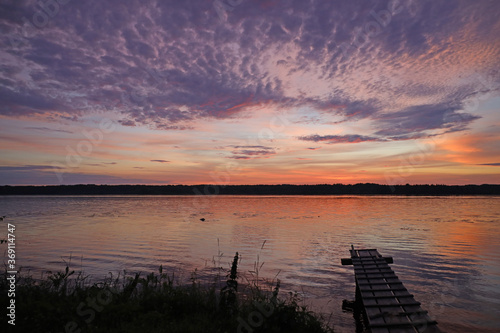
<point x="68" y="301"/>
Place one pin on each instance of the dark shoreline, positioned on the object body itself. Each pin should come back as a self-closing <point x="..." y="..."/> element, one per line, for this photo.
<point x="214" y="189"/>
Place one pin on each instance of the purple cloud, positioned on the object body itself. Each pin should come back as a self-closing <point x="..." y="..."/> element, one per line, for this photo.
<point x="331" y="139"/>
<point x="46" y="129"/>
<point x="172" y="63"/>
<point x="251" y="152"/>
<point x="238" y="157"/>
<point x="414" y="121"/>
<point x="48" y="177"/>
<point x="28" y="168"/>
<point x="252" y="147"/>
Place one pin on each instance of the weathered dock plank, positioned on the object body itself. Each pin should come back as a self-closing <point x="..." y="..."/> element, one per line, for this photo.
<point x="387" y="305"/>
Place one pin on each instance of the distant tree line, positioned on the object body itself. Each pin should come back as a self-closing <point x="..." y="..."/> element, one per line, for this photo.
<point x="284" y="189"/>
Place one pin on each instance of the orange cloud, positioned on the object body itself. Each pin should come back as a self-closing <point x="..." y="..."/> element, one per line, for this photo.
<point x="469" y="149"/>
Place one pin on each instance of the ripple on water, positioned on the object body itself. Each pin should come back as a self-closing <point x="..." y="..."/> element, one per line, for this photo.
<point x="445" y="249"/>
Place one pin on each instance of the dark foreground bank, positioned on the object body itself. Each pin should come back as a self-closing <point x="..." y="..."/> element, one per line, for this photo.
<point x="67" y="302"/>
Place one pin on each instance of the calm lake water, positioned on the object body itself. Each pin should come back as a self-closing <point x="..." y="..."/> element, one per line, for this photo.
<point x="446" y="249"/>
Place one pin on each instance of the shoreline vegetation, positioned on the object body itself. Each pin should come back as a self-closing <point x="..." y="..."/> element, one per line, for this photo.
<point x="67" y="301"/>
<point x="284" y="189"/>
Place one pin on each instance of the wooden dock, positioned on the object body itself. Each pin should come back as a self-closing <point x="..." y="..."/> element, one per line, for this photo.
<point x="386" y="304"/>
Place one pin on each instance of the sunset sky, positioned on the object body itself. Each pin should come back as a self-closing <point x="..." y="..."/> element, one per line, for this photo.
<point x="249" y="92"/>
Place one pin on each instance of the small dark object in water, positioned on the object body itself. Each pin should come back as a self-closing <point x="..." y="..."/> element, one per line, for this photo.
<point x="202" y="219"/>
<point x="2" y="217"/>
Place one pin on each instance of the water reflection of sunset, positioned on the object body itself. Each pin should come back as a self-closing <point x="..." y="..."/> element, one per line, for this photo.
<point x="435" y="241"/>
